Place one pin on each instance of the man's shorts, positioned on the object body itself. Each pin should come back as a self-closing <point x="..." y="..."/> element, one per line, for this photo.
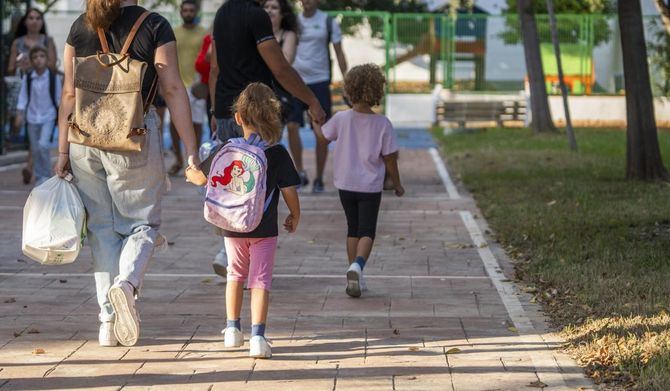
<point x="198" y="108"/>
<point x="322" y="92"/>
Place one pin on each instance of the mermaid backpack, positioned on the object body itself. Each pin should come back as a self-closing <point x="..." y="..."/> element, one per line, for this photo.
<point x="236" y="188"/>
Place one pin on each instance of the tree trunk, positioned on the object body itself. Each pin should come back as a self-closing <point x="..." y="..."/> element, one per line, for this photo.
<point x="643" y="155"/>
<point x="664" y="10"/>
<point x="559" y="63"/>
<point x="539" y="104"/>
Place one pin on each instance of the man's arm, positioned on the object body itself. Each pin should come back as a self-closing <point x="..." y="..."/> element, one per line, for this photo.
<point x="273" y="56"/>
<point x="213" y="76"/>
<point x="341" y="58"/>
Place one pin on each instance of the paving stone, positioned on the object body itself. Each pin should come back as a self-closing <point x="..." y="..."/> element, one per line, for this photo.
<point x="431" y="320"/>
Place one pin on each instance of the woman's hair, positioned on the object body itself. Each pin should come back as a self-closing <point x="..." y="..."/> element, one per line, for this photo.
<point x="21" y="28"/>
<point x="289" y="21"/>
<point x="260" y="109"/>
<point x="102" y="13"/>
<point x="228" y="171"/>
<point x="365" y="84"/>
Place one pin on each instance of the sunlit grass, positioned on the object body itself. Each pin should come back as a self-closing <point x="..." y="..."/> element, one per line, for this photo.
<point x="592" y="246"/>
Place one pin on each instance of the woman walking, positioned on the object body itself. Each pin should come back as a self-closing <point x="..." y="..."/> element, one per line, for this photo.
<point x="122" y="191"/>
<point x="31" y="32"/>
<point x="286" y="30"/>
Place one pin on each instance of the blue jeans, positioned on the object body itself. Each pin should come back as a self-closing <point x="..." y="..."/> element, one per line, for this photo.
<point x="39" y="135"/>
<point x="122" y="194"/>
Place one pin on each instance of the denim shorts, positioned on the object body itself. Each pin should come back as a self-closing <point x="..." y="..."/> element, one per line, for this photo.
<point x="322" y="92"/>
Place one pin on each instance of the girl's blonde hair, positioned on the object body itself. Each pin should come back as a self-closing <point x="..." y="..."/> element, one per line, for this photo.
<point x="365" y="84"/>
<point x="101" y="13"/>
<point x="260" y="109"/>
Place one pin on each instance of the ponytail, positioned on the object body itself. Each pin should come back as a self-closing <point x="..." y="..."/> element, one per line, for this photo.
<point x="101" y="13"/>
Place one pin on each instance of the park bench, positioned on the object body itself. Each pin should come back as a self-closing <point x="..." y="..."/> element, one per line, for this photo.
<point x="463" y="111"/>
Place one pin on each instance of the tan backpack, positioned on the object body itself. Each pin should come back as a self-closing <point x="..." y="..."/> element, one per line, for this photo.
<point x="109" y="110"/>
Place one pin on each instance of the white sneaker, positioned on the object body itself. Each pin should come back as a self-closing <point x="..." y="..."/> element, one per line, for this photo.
<point x="232" y="337"/>
<point x="127" y="325"/>
<point x="354" y="280"/>
<point x="364" y="285"/>
<point x="220" y="264"/>
<point x="106" y="336"/>
<point x="259" y="347"/>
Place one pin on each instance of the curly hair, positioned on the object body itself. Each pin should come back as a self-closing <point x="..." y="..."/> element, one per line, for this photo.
<point x="260" y="109"/>
<point x="365" y="84"/>
<point x="289" y="21"/>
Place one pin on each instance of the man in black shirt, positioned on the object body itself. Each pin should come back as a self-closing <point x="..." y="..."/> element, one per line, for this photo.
<point x="244" y="50"/>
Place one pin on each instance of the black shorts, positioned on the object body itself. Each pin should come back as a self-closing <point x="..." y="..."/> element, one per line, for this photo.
<point x="298" y="108"/>
<point x="362" y="210"/>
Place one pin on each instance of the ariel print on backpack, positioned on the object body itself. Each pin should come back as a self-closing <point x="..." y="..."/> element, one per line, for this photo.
<point x="236" y="189"/>
<point x="237" y="178"/>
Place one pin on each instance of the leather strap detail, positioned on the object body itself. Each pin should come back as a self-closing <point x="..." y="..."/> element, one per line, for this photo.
<point x="152" y="94"/>
<point x="133" y="31"/>
<point x="103" y="40"/>
<point x="137" y="132"/>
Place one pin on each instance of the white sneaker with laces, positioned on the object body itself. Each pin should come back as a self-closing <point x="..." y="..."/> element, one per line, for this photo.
<point x="220" y="264"/>
<point x="106" y="336"/>
<point x="232" y="337"/>
<point x="259" y="347"/>
<point x="354" y="280"/>
<point x="127" y="325"/>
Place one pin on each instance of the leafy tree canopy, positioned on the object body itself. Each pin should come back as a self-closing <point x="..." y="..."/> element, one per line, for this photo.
<point x="569" y="28"/>
<point x="568" y="6"/>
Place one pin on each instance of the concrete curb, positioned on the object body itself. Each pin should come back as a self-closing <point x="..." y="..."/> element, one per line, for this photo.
<point x="13" y="158"/>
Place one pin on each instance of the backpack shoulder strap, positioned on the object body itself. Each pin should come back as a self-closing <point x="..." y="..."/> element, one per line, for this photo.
<point x="29" y="84"/>
<point x="133" y="32"/>
<point x="329" y="27"/>
<point x="52" y="88"/>
<point x="103" y="40"/>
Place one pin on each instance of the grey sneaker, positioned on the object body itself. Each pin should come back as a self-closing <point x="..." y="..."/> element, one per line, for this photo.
<point x="318" y="186"/>
<point x="304" y="180"/>
<point x="220" y="264"/>
<point x="127" y="326"/>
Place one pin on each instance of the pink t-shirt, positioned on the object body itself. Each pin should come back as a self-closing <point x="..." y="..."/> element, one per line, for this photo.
<point x="361" y="141"/>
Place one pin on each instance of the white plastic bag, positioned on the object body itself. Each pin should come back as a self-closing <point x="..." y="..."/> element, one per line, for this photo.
<point x="54" y="223"/>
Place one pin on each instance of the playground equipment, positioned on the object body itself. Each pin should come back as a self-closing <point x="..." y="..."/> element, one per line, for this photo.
<point x="444" y="38"/>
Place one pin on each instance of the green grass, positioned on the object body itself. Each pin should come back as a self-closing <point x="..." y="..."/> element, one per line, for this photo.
<point x="594" y="246"/>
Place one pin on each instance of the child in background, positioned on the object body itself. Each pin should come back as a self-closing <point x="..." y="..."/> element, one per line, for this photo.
<point x="38" y="107"/>
<point x="365" y="149"/>
<point x="251" y="255"/>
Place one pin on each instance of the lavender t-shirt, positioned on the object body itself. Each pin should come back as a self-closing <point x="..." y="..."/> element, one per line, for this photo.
<point x="361" y="142"/>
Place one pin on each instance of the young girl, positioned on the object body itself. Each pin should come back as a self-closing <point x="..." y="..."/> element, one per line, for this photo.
<point x="365" y="149"/>
<point x="251" y="255"/>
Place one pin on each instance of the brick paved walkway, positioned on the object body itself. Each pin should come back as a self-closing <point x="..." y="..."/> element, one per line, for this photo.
<point x="440" y="314"/>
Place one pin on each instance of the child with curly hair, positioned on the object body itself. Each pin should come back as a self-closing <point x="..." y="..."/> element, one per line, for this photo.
<point x="365" y="149"/>
<point x="251" y="255"/>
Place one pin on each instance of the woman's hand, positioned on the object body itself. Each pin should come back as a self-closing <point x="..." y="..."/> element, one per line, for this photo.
<point x="399" y="190"/>
<point x="62" y="167"/>
<point x="291" y="223"/>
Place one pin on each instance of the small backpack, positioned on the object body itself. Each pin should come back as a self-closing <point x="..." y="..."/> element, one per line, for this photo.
<point x="109" y="109"/>
<point x="236" y="186"/>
